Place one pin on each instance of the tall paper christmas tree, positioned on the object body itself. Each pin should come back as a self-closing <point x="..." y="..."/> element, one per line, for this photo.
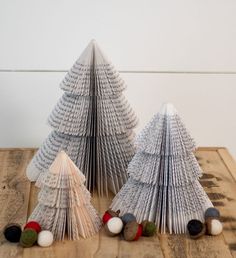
<point x="92" y="123"/>
<point x="163" y="179"/>
<point x="64" y="202"/>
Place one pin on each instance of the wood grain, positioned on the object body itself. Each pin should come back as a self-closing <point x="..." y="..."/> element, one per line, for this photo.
<point x="219" y="165"/>
<point x="14" y="195"/>
<point x="18" y="198"/>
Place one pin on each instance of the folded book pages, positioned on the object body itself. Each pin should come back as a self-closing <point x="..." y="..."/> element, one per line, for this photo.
<point x="64" y="202"/>
<point x="163" y="179"/>
<point x="92" y="122"/>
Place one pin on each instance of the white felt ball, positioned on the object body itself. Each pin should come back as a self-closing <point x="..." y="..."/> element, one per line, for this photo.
<point x="216" y="227"/>
<point x="115" y="225"/>
<point x="45" y="238"/>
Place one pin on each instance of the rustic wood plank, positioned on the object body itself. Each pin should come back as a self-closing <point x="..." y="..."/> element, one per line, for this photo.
<point x="145" y="247"/>
<point x="218" y="181"/>
<point x="229" y="162"/>
<point x="221" y="188"/>
<point x="108" y="246"/>
<point x="19" y="149"/>
<point x="14" y="195"/>
<point x="209" y="148"/>
<point x="33" y="197"/>
<point x="181" y="246"/>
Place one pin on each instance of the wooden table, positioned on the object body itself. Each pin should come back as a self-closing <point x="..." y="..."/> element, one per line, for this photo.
<point x="18" y="198"/>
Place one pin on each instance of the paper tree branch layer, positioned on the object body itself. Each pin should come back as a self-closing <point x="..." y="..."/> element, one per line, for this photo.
<point x="163" y="181"/>
<point x="64" y="202"/>
<point x="92" y="123"/>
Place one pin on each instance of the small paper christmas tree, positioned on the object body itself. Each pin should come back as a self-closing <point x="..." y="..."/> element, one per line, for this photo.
<point x="64" y="202"/>
<point x="163" y="181"/>
<point x="92" y="123"/>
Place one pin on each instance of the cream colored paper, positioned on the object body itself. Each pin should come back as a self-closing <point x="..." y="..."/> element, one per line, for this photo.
<point x="64" y="202"/>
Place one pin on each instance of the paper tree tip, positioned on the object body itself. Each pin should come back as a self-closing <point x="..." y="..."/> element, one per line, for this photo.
<point x="93" y="41"/>
<point x="62" y="156"/>
<point x="168" y="109"/>
<point x="92" y="44"/>
<point x="62" y="153"/>
<point x="64" y="165"/>
<point x="92" y="54"/>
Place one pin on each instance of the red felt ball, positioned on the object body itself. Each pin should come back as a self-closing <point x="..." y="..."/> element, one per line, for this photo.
<point x="106" y="217"/>
<point x="110" y="214"/>
<point x="34" y="225"/>
<point x="139" y="232"/>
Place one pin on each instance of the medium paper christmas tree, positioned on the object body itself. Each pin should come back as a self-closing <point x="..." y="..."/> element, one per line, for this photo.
<point x="163" y="179"/>
<point x="92" y="123"/>
<point x="64" y="202"/>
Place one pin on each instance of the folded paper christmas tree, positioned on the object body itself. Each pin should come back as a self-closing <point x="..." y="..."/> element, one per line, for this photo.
<point x="92" y="123"/>
<point x="163" y="179"/>
<point x="64" y="202"/>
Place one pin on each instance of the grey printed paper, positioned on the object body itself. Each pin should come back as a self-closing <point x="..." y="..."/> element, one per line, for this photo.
<point x="163" y="179"/>
<point x="92" y="122"/>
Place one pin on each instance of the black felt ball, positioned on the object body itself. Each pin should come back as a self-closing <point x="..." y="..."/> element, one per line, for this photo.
<point x="12" y="233"/>
<point x="196" y="228"/>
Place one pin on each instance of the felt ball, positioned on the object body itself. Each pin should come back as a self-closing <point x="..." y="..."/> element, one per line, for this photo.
<point x="106" y="217"/>
<point x="212" y="212"/>
<point x="34" y="225"/>
<point x="28" y="237"/>
<point x="139" y="232"/>
<point x="132" y="231"/>
<point x="114" y="226"/>
<point x="213" y="226"/>
<point x="149" y="228"/>
<point x="12" y="232"/>
<point x="110" y="214"/>
<point x="128" y="217"/>
<point x="45" y="238"/>
<point x="196" y="228"/>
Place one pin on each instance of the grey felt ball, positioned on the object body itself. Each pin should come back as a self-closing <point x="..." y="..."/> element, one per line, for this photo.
<point x="212" y="212"/>
<point x="128" y="217"/>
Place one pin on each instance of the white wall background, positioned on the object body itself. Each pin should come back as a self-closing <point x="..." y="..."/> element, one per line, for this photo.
<point x="179" y="51"/>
